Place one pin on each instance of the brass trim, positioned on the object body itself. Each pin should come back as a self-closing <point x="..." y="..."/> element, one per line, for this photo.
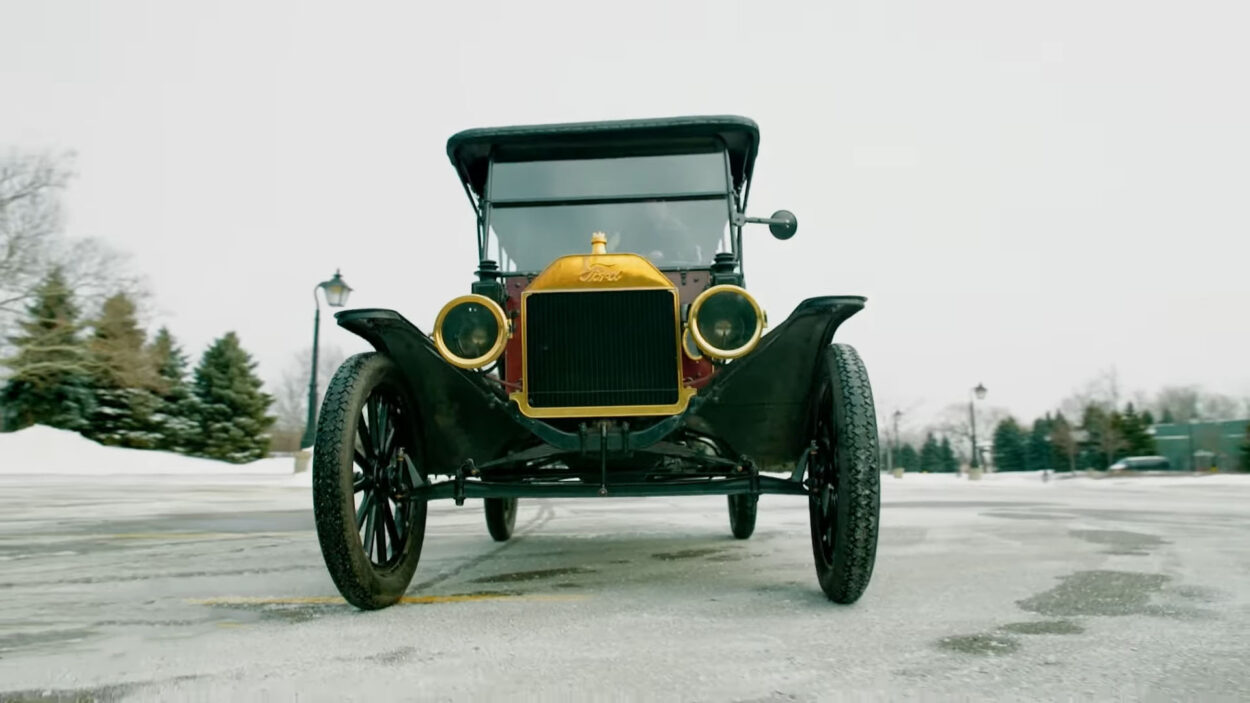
<point x="692" y="325"/>
<point x="600" y="272"/>
<point x="684" y="393"/>
<point x="500" y="342"/>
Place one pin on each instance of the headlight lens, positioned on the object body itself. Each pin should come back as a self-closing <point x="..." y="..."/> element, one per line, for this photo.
<point x="726" y="322"/>
<point x="471" y="331"/>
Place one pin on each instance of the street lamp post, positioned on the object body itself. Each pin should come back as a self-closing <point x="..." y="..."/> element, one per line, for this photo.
<point x="336" y="291"/>
<point x="1050" y="453"/>
<point x="975" y="394"/>
<point x="891" y="447"/>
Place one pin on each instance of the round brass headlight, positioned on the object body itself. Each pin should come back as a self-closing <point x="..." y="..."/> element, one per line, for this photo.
<point x="726" y="322"/>
<point x="471" y="331"/>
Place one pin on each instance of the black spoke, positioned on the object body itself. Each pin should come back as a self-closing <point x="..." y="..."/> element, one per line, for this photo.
<point x="365" y="504"/>
<point x="391" y="530"/>
<point x="384" y="474"/>
<point x="363" y="441"/>
<point x="385" y="430"/>
<point x="387" y="453"/>
<point x="370" y="516"/>
<point x="379" y="531"/>
<point x="824" y="485"/>
<point x="372" y="405"/>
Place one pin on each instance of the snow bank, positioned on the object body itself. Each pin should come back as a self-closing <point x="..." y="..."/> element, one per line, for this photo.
<point x="1022" y="478"/>
<point x="43" y="450"/>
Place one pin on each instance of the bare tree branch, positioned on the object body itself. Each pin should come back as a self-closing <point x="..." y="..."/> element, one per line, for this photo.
<point x="31" y="242"/>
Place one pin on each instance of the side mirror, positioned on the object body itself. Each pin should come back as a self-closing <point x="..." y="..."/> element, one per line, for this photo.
<point x="783" y="224"/>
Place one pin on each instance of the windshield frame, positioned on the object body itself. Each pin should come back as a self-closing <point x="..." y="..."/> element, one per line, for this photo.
<point x="733" y="204"/>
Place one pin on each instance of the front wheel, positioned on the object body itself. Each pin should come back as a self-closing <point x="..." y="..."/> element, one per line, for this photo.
<point x="845" y="499"/>
<point x="743" y="508"/>
<point x="500" y="517"/>
<point x="366" y="462"/>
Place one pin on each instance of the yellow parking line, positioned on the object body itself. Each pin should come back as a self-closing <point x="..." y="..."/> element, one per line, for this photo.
<point x="409" y="600"/>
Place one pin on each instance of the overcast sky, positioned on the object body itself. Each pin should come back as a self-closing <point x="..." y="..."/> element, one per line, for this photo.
<point x="1027" y="192"/>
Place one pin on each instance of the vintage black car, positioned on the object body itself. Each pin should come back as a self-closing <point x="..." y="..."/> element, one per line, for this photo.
<point x="607" y="348"/>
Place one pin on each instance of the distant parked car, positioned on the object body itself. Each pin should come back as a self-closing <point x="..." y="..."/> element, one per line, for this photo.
<point x="1142" y="463"/>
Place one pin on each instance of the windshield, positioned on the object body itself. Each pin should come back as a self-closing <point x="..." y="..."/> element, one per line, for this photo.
<point x="672" y="209"/>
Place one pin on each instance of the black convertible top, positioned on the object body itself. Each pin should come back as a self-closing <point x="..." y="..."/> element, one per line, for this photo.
<point x="470" y="151"/>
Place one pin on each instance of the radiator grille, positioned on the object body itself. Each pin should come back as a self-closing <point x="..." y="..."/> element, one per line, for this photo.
<point x="600" y="348"/>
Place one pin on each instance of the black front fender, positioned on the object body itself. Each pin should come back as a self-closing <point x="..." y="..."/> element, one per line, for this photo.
<point x="759" y="405"/>
<point x="462" y="415"/>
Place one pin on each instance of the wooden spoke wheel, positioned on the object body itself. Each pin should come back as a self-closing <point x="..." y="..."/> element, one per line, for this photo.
<point x="366" y="461"/>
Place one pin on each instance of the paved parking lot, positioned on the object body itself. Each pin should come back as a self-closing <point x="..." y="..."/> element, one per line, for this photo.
<point x="163" y="587"/>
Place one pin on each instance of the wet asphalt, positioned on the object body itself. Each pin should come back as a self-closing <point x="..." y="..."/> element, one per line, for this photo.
<point x="161" y="588"/>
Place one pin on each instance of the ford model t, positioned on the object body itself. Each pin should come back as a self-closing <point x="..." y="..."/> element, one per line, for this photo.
<point x="608" y="347"/>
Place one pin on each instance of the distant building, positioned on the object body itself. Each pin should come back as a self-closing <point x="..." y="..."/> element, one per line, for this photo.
<point x="1201" y="445"/>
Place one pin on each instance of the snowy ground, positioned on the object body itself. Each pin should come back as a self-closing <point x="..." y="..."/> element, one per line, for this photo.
<point x="183" y="584"/>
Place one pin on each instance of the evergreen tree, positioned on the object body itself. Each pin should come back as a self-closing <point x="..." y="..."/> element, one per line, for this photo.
<point x="50" y="368"/>
<point x="123" y="379"/>
<point x="232" y="419"/>
<point x="1245" y="451"/>
<point x="907" y="457"/>
<point x="1167" y="418"/>
<point x="1103" y="440"/>
<point x="950" y="463"/>
<point x="930" y="455"/>
<point x="1135" y="434"/>
<point x="1038" y="451"/>
<point x="1063" y="441"/>
<point x="175" y="421"/>
<point x="1009" y="446"/>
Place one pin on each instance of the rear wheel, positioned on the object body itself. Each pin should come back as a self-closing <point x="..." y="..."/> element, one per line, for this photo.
<point x="742" y="510"/>
<point x="500" y="517"/>
<point x="845" y="500"/>
<point x="366" y="461"/>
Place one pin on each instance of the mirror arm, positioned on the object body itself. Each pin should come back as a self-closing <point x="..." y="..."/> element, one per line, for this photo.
<point x="740" y="219"/>
<point x="782" y="224"/>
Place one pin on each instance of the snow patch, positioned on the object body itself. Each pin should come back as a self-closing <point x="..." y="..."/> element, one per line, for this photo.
<point x="1104" y="480"/>
<point x="41" y="450"/>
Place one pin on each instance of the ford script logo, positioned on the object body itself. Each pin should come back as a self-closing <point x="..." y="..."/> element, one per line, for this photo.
<point x="598" y="273"/>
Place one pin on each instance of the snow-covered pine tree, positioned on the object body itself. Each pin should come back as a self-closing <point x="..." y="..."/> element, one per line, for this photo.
<point x="232" y="408"/>
<point x="49" y="383"/>
<point x="176" y="420"/>
<point x="124" y="379"/>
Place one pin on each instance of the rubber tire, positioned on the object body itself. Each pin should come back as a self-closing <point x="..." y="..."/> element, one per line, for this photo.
<point x="858" y="504"/>
<point x="500" y="517"/>
<point x="743" y="508"/>
<point x="361" y="583"/>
